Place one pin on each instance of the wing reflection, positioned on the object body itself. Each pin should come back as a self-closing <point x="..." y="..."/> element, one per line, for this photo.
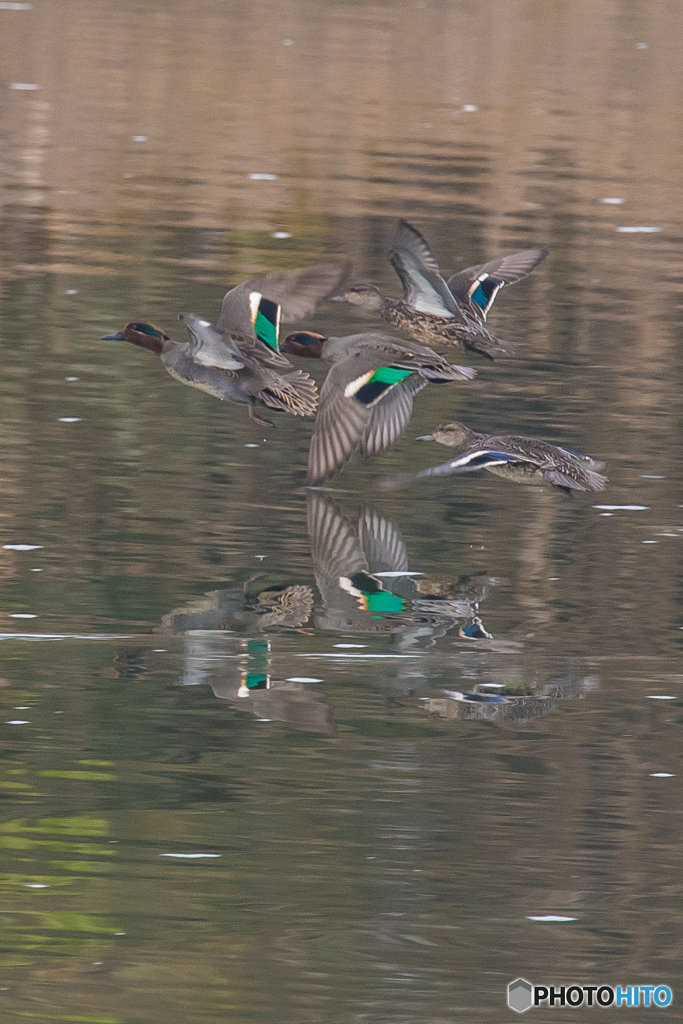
<point x="366" y="585"/>
<point x="245" y="642"/>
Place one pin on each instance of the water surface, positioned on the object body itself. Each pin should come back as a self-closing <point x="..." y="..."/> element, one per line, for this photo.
<point x="234" y="788"/>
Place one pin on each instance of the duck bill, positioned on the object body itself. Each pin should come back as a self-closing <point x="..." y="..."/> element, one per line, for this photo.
<point x="113" y="337"/>
<point x="338" y="298"/>
<point x="425" y="437"/>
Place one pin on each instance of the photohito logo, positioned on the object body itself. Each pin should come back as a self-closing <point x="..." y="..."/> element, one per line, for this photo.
<point x="522" y="995"/>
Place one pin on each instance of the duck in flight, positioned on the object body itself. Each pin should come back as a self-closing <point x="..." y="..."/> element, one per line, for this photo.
<point x="238" y="358"/>
<point x="523" y="460"/>
<point x="439" y="312"/>
<point x="367" y="398"/>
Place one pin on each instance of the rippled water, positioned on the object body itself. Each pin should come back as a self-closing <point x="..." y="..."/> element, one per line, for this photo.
<point x="236" y="789"/>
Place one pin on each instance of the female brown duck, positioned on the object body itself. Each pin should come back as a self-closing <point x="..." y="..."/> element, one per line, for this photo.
<point x="524" y="460"/>
<point x="437" y="312"/>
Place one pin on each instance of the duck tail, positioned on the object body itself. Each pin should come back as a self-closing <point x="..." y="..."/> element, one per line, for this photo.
<point x="595" y="481"/>
<point x="486" y="345"/>
<point x="579" y="479"/>
<point x="296" y="394"/>
<point x="446" y="373"/>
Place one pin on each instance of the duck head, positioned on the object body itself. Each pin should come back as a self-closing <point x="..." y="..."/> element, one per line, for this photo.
<point x="142" y="334"/>
<point x="366" y="295"/>
<point x="304" y="343"/>
<point x="453" y="435"/>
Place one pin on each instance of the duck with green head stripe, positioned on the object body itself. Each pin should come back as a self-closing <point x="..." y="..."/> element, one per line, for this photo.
<point x="367" y="398"/>
<point x="238" y="358"/>
<point x="229" y="367"/>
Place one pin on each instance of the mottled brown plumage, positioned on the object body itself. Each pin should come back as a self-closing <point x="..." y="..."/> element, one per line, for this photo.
<point x="524" y="460"/>
<point x="437" y="312"/>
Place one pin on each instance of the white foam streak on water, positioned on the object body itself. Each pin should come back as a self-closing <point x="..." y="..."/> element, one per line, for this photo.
<point x="190" y="856"/>
<point x="21" y="547"/>
<point x="66" y="636"/>
<point x="625" y="508"/>
<point x="550" y="917"/>
<point x="337" y="654"/>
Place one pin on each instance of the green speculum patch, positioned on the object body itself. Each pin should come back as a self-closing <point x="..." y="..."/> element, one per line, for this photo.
<point x="382" y="379"/>
<point x="266" y="323"/>
<point x="265" y="331"/>
<point x="256" y="681"/>
<point x="389" y="375"/>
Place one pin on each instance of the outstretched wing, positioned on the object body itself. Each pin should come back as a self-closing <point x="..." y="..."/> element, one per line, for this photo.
<point x="297" y="292"/>
<point x="382" y="543"/>
<point x="391" y="416"/>
<point x="480" y="285"/>
<point x="339" y="428"/>
<point x="423" y="287"/>
<point x="335" y="550"/>
<point x="474" y="459"/>
<point x="363" y="408"/>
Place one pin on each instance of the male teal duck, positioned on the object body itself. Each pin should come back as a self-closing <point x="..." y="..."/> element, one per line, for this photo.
<point x="235" y="368"/>
<point x="367" y="398"/>
<point x="438" y="312"/>
<point x="524" y="460"/>
<point x="238" y="358"/>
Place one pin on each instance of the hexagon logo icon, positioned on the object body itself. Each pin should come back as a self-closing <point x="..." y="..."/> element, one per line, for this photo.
<point x="520" y="995"/>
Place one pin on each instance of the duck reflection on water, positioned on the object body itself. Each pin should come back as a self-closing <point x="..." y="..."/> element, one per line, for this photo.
<point x="234" y="639"/>
<point x="502" y="692"/>
<point x="238" y="667"/>
<point x="366" y="586"/>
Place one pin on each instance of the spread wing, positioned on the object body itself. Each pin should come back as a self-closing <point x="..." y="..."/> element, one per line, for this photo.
<point x="297" y="292"/>
<point x="390" y="417"/>
<point x="339" y="428"/>
<point x="423" y="287"/>
<point x="466" y="284"/>
<point x="335" y="550"/>
<point x="382" y="543"/>
<point x="345" y="424"/>
<point x="475" y="458"/>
